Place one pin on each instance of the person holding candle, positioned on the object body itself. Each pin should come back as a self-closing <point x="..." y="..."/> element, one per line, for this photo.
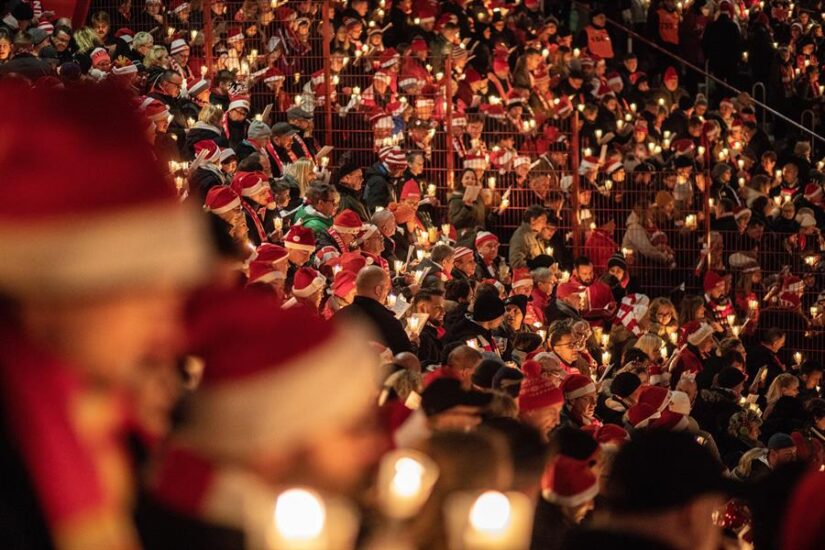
<point x="487" y="315"/>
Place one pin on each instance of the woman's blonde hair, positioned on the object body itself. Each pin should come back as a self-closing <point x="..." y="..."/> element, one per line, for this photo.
<point x="211" y="114"/>
<point x="303" y="170"/>
<point x="86" y="40"/>
<point x="153" y="57"/>
<point x="784" y="381"/>
<point x="650" y="344"/>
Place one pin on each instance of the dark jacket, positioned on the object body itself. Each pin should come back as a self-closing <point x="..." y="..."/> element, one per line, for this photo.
<point x="26" y="65"/>
<point x="161" y="528"/>
<point x="713" y="409"/>
<point x="467" y="329"/>
<point x="378" y="187"/>
<point x="389" y="329"/>
<point x="430" y="346"/>
<point x="610" y="410"/>
<point x="351" y="201"/>
<point x="200" y="132"/>
<point x="549" y="526"/>
<point x="201" y="181"/>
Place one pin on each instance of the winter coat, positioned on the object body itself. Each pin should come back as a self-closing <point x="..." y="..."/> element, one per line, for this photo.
<point x="524" y="246"/>
<point x="637" y="239"/>
<point x="199" y="132"/>
<point x="467" y="329"/>
<point x="312" y="219"/>
<point x="611" y="409"/>
<point x="462" y="216"/>
<point x="203" y="179"/>
<point x="713" y="409"/>
<point x="351" y="201"/>
<point x="722" y="44"/>
<point x="549" y="527"/>
<point x="378" y="187"/>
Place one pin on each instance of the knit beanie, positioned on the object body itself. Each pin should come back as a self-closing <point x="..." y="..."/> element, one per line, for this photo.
<point x="484" y="373"/>
<point x="617" y="260"/>
<point x="729" y="377"/>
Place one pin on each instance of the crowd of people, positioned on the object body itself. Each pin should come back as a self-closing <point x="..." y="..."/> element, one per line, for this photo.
<point x="532" y="288"/>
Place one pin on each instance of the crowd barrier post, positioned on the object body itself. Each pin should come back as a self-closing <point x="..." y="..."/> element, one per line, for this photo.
<point x="575" y="146"/>
<point x="208" y="38"/>
<point x="448" y="123"/>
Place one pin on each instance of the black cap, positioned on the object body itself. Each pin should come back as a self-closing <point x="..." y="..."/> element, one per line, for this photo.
<point x="283" y="129"/>
<point x="487" y="307"/>
<point x="518" y="300"/>
<point x="625" y="384"/>
<point x="660" y="470"/>
<point x="445" y="393"/>
<point x="485" y="371"/>
<point x="508" y="380"/>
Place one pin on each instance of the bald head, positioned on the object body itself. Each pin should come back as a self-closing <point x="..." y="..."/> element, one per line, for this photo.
<point x="408" y="360"/>
<point x="372" y="282"/>
<point x="462" y="361"/>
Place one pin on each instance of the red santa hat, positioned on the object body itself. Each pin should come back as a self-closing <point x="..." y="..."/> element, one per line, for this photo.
<point x="382" y="121"/>
<point x="273" y="74"/>
<point x="290" y="387"/>
<point x="614" y="79"/>
<point x="461" y="252"/>
<point x="155" y="110"/>
<point x="125" y="34"/>
<point x="577" y="385"/>
<point x="263" y="272"/>
<point x="670" y="74"/>
<point x="235" y="34"/>
<point x="300" y="238"/>
<point x="307" y="282"/>
<point x="536" y="392"/>
<point x="672" y="421"/>
<point x="500" y="64"/>
<point x="82" y="228"/>
<point x="792" y="283"/>
<point x="271" y="253"/>
<point x="588" y="164"/>
<point x="471" y="76"/>
<point x="712" y="280"/>
<point x="196" y="85"/>
<point x="641" y="415"/>
<point x="609" y="436"/>
<point x="209" y="149"/>
<point x="483" y="237"/>
<point x="410" y="190"/>
<point x="178" y="6"/>
<point x="347" y="221"/>
<point x="419" y="44"/>
<point x="570" y="287"/>
<point x="343" y="283"/>
<point x="239" y="101"/>
<point x="569" y="482"/>
<point x="522" y="277"/>
<point x="696" y="332"/>
<point x="683" y="147"/>
<point x="600" y="298"/>
<point x="178" y="45"/>
<point x="123" y="67"/>
<point x="221" y="199"/>
<point x="367" y="231"/>
<point x="655" y="396"/>
<point x="352" y="262"/>
<point x="614" y="165"/>
<point x="248" y="184"/>
<point x="389" y="58"/>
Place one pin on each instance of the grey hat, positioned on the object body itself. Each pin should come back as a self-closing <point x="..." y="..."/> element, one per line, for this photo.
<point x="38" y="35"/>
<point x="779" y="441"/>
<point x="258" y="129"/>
<point x="283" y="129"/>
<point x="298" y="112"/>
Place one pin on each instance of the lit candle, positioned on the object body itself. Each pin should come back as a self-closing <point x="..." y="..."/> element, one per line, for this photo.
<point x="391" y="300"/>
<point x="608" y="185"/>
<point x="278" y="223"/>
<point x="797" y="357"/>
<point x="605" y="338"/>
<point x="473" y="343"/>
<point x="673" y="338"/>
<point x="606" y="358"/>
<point x="711" y="203"/>
<point x="300" y="520"/>
<point x="398" y="265"/>
<point x="731" y="319"/>
<point x="204" y="70"/>
<point x="753" y="304"/>
<point x="432" y="233"/>
<point x="491" y="182"/>
<point x="814" y="311"/>
<point x="405" y="481"/>
<point x="565" y="276"/>
<point x="543" y="334"/>
<point x="663" y="352"/>
<point x="431" y="190"/>
<point x="736" y="330"/>
<point x="419" y="274"/>
<point x="598" y="134"/>
<point x="419" y="254"/>
<point x="445" y="228"/>
<point x="489" y="521"/>
<point x="549" y="250"/>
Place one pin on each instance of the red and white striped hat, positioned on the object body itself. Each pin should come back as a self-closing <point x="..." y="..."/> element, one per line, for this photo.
<point x="273" y="74"/>
<point x="394" y="157"/>
<point x="178" y="6"/>
<point x="81" y="228"/>
<point x="272" y="376"/>
<point x="347" y="221"/>
<point x="46" y="25"/>
<point x="249" y="184"/>
<point x="588" y="164"/>
<point x="577" y="385"/>
<point x="178" y="45"/>
<point x="569" y="482"/>
<point x="461" y="252"/>
<point x="300" y="238"/>
<point x="522" y="277"/>
<point x="475" y="161"/>
<point x="221" y="199"/>
<point x="123" y="67"/>
<point x="484" y="237"/>
<point x="196" y="85"/>
<point x="240" y="101"/>
<point x="307" y="282"/>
